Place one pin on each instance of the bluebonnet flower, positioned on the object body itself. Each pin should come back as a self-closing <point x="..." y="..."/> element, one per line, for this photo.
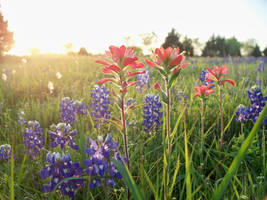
<point x="99" y="165"/>
<point x="59" y="168"/>
<point x="151" y="113"/>
<point x="100" y="104"/>
<point x="69" y="109"/>
<point x="62" y="135"/>
<point x="33" y="139"/>
<point x="5" y="152"/>
<point x="143" y="80"/>
<point x="257" y="101"/>
<point x="80" y="108"/>
<point x="131" y="102"/>
<point x="203" y="78"/>
<point x="241" y="113"/>
<point x="261" y="66"/>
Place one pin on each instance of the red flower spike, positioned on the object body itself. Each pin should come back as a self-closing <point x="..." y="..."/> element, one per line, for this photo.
<point x="156" y="86"/>
<point x="102" y="62"/>
<point x="131" y="74"/>
<point x="160" y="53"/>
<point x="137" y="65"/>
<point x="218" y="73"/>
<point x="224" y="70"/>
<point x="117" y="53"/>
<point x="203" y="90"/>
<point x="176" y="61"/>
<point x="183" y="65"/>
<point x="114" y="68"/>
<point x="106" y="70"/>
<point x="131" y="83"/>
<point x="104" y="80"/>
<point x="176" y="69"/>
<point x="229" y="81"/>
<point x="151" y="64"/>
<point x="129" y="61"/>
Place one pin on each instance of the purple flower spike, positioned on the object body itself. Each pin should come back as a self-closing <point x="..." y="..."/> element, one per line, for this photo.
<point x="100" y="105"/>
<point x="99" y="165"/>
<point x="59" y="168"/>
<point x="33" y="139"/>
<point x="63" y="136"/>
<point x="151" y="113"/>
<point x="5" y="152"/>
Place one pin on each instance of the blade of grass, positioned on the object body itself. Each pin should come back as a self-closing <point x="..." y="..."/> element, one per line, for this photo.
<point x="241" y="154"/>
<point x="127" y="177"/>
<point x="151" y="186"/>
<point x="174" y="175"/>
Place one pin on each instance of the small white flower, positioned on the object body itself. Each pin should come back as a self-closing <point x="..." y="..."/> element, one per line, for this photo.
<point x="24" y="60"/>
<point x="50" y="86"/>
<point x="4" y="77"/>
<point x="58" y="75"/>
<point x="13" y="71"/>
<point x="243" y="197"/>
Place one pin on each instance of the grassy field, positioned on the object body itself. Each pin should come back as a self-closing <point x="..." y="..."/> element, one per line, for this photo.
<point x="26" y="89"/>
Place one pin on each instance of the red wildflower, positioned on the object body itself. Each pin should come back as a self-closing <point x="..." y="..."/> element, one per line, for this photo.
<point x="203" y="90"/>
<point x="217" y="73"/>
<point x="170" y="55"/>
<point x="156" y="86"/>
<point x="131" y="74"/>
<point x="104" y="80"/>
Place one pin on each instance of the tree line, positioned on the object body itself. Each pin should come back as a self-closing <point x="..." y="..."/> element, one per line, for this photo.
<point x="216" y="46"/>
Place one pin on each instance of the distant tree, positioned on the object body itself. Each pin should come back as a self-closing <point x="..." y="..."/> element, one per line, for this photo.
<point x="187" y="46"/>
<point x="148" y="38"/>
<point x="138" y="51"/>
<point x="172" y="40"/>
<point x="265" y="51"/>
<point x="256" y="51"/>
<point x="6" y="37"/>
<point x="233" y="47"/>
<point x="83" y="52"/>
<point x="248" y="47"/>
<point x="215" y="46"/>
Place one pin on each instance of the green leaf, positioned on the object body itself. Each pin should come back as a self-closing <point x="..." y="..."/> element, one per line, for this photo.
<point x="151" y="186"/>
<point x="173" y="79"/>
<point x="240" y="155"/>
<point x="128" y="179"/>
<point x="163" y="96"/>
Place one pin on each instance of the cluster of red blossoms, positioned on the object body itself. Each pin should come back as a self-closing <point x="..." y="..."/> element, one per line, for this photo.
<point x="214" y="75"/>
<point x="123" y="60"/>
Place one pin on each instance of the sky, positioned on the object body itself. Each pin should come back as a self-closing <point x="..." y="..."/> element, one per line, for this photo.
<point x="96" y="24"/>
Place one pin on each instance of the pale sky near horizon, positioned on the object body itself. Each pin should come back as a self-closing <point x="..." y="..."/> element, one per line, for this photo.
<point x="50" y="24"/>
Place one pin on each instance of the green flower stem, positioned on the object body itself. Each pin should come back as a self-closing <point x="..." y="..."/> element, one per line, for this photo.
<point x="221" y="116"/>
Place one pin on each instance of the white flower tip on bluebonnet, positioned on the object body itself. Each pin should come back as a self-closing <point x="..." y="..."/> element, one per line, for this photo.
<point x="100" y="138"/>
